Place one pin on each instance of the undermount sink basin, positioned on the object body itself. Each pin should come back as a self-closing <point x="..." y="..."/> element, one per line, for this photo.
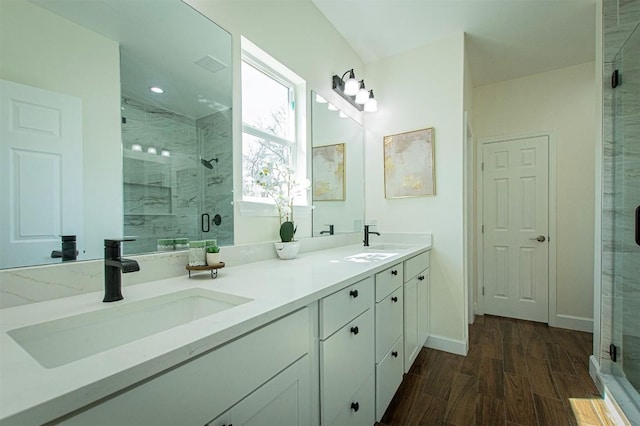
<point x="388" y="246"/>
<point x="369" y="257"/>
<point x="58" y="342"/>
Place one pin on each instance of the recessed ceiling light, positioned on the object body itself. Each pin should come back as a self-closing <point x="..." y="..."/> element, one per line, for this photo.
<point x="156" y="89"/>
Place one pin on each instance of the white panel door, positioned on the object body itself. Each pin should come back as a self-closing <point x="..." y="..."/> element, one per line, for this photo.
<point x="40" y="173"/>
<point x="516" y="224"/>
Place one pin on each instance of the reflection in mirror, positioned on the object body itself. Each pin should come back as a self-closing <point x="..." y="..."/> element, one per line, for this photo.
<point x="107" y="55"/>
<point x="338" y="171"/>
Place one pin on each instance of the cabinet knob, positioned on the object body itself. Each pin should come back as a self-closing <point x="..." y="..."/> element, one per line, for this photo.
<point x="355" y="406"/>
<point x="394" y="272"/>
<point x="421" y="277"/>
<point x="355" y="330"/>
<point x="394" y="299"/>
<point x="353" y="293"/>
<point x="394" y="354"/>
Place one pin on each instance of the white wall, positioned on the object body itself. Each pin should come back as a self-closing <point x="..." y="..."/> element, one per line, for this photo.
<point x="419" y="89"/>
<point x="296" y="34"/>
<point x="41" y="49"/>
<point x="561" y="102"/>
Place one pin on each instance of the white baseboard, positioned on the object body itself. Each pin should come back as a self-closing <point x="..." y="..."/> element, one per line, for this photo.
<point x="445" y="344"/>
<point x="573" y="323"/>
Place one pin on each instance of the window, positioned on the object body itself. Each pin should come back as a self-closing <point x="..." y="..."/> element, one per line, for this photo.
<point x="268" y="125"/>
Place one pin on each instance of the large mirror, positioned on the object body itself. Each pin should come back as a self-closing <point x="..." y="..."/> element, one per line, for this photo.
<point x="338" y="170"/>
<point x="154" y="165"/>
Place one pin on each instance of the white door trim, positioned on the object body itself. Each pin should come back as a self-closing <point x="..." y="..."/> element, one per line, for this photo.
<point x="553" y="319"/>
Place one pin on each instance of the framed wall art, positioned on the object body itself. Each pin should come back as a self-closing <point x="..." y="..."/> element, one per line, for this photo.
<point x="328" y="173"/>
<point x="409" y="164"/>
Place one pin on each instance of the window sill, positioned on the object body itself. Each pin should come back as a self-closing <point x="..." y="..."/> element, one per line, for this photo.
<point x="255" y="209"/>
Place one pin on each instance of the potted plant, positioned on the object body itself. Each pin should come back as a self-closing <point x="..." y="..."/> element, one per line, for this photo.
<point x="213" y="255"/>
<point x="280" y="183"/>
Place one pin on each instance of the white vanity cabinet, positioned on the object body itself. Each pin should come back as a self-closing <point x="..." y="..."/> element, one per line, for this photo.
<point x="416" y="306"/>
<point x="389" y="335"/>
<point x="261" y="376"/>
<point x="277" y="402"/>
<point x="347" y="356"/>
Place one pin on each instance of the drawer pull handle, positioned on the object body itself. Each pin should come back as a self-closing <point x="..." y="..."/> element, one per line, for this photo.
<point x="394" y="354"/>
<point x="355" y="406"/>
<point x="394" y="272"/>
<point x="355" y="330"/>
<point x="421" y="277"/>
<point x="394" y="299"/>
<point x="353" y="293"/>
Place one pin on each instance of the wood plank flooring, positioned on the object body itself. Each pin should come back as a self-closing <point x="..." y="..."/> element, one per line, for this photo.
<point x="516" y="373"/>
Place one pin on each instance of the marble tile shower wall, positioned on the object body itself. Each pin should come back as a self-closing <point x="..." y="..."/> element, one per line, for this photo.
<point x="621" y="186"/>
<point x="163" y="195"/>
<point x="214" y="134"/>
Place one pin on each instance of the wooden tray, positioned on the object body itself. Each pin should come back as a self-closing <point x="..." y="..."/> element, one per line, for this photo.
<point x="212" y="268"/>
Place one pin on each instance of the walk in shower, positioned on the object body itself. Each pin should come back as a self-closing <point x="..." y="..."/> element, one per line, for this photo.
<point x="620" y="342"/>
<point x="177" y="176"/>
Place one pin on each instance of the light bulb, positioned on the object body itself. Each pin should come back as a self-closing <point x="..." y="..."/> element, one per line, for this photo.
<point x="372" y="103"/>
<point x="136" y="147"/>
<point x="363" y="94"/>
<point x="152" y="150"/>
<point x="351" y="85"/>
<point x="320" y="99"/>
<point x="165" y="153"/>
<point x="332" y="107"/>
<point x="342" y="115"/>
<point x="156" y="89"/>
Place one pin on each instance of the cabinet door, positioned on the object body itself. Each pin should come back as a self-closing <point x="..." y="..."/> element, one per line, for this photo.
<point x="283" y="400"/>
<point x="346" y="361"/>
<point x="423" y="307"/>
<point x="388" y="377"/>
<point x="388" y="322"/>
<point x="359" y="410"/>
<point x="411" y="346"/>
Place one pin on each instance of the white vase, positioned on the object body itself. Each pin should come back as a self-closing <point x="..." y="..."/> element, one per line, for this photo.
<point x="213" y="259"/>
<point x="287" y="250"/>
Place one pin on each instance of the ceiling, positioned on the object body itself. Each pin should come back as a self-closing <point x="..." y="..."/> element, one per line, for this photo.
<point x="506" y="39"/>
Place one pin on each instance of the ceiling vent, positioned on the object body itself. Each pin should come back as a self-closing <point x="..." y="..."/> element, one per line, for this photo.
<point x="210" y="64"/>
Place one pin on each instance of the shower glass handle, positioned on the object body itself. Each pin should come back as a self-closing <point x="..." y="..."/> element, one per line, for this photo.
<point x="638" y="225"/>
<point x="204" y="222"/>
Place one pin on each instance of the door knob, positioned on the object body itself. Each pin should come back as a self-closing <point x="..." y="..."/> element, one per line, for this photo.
<point x="539" y="238"/>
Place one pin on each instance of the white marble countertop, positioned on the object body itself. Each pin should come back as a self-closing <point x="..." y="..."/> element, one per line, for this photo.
<point x="33" y="394"/>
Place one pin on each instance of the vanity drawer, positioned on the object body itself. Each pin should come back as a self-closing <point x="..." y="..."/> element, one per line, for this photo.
<point x="359" y="410"/>
<point x="389" y="320"/>
<point x="415" y="265"/>
<point x="346" y="361"/>
<point x="387" y="281"/>
<point x="388" y="377"/>
<point x="341" y="307"/>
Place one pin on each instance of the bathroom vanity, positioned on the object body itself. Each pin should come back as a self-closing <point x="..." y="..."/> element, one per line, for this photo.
<point x="323" y="339"/>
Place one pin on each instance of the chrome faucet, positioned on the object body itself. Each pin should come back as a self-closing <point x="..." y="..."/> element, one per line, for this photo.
<point x="114" y="265"/>
<point x="366" y="235"/>
<point x="330" y="231"/>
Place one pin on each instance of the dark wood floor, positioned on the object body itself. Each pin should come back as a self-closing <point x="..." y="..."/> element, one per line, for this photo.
<point x="516" y="373"/>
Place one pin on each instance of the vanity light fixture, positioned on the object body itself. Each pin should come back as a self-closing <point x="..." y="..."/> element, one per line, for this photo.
<point x="156" y="89"/>
<point x="356" y="94"/>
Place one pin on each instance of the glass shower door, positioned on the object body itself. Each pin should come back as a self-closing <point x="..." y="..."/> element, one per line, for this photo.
<point x="626" y="202"/>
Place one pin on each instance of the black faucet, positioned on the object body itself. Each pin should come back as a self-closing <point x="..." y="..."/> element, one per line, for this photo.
<point x="114" y="264"/>
<point x="330" y="231"/>
<point x="366" y="235"/>
<point x="68" y="251"/>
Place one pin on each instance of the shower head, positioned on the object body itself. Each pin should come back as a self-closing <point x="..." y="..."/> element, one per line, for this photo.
<point x="208" y="164"/>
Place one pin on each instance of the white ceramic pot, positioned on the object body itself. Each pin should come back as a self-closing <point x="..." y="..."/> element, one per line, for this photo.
<point x="287" y="250"/>
<point x="213" y="259"/>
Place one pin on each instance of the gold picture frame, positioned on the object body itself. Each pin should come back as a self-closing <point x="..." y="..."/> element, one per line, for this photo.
<point x="409" y="164"/>
<point x="328" y="163"/>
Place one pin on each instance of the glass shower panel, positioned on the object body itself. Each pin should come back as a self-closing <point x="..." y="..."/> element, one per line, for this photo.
<point x="626" y="199"/>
